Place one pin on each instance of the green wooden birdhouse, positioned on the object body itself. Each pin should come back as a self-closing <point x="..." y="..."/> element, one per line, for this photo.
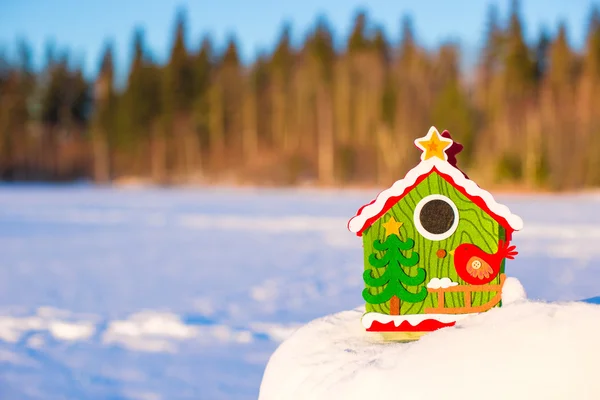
<point x="435" y="245"/>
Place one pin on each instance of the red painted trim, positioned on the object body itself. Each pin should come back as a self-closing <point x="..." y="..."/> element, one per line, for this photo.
<point x="391" y="202"/>
<point x="479" y="202"/>
<point x="360" y="211"/>
<point x="427" y="325"/>
<point x="475" y="199"/>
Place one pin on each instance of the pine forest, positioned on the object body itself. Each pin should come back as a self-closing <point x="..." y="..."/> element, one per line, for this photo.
<point x="326" y="112"/>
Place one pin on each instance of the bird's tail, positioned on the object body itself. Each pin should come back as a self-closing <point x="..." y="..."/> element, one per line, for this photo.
<point x="507" y="251"/>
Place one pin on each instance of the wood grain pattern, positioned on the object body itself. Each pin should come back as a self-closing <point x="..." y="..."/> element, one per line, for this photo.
<point x="475" y="226"/>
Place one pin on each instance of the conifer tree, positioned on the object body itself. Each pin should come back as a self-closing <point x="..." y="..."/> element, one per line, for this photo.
<point x="451" y="107"/>
<point x="258" y="87"/>
<point x="308" y="109"/>
<point x="53" y="104"/>
<point x="357" y="60"/>
<point x="178" y="97"/>
<point x="203" y="72"/>
<point x="179" y="72"/>
<point x="104" y="120"/>
<point x="281" y="73"/>
<point x="358" y="40"/>
<point x="135" y="101"/>
<point x="542" y="50"/>
<point x="491" y="53"/>
<point x="142" y="104"/>
<point x="231" y="85"/>
<point x="381" y="46"/>
<point x="408" y="46"/>
<point x="413" y="81"/>
<point x="561" y="62"/>
<point x="519" y="67"/>
<point x="19" y="85"/>
<point x="64" y="113"/>
<point x="224" y="103"/>
<point x="322" y="59"/>
<point x="250" y="115"/>
<point x="557" y="102"/>
<point x="589" y="99"/>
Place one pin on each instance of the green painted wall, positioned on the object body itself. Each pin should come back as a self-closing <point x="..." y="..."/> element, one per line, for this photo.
<point x="475" y="226"/>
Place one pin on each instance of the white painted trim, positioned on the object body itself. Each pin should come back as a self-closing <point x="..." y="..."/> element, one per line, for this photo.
<point x="413" y="319"/>
<point x="417" y="219"/>
<point x="357" y="223"/>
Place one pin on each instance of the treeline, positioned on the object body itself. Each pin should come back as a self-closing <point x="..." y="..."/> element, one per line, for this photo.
<point x="528" y="115"/>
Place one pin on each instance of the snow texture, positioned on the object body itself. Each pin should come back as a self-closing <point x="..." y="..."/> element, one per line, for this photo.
<point x="524" y="350"/>
<point x="175" y="294"/>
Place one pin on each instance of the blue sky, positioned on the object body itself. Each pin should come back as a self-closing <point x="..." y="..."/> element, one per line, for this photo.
<point x="85" y="26"/>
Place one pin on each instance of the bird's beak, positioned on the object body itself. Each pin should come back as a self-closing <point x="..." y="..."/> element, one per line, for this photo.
<point x="451" y="252"/>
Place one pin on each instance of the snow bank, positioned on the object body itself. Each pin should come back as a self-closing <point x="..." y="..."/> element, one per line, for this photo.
<point x="148" y="331"/>
<point x="56" y="322"/>
<point x="274" y="331"/>
<point x="300" y="223"/>
<point x="156" y="332"/>
<point x="71" y="331"/>
<point x="523" y="350"/>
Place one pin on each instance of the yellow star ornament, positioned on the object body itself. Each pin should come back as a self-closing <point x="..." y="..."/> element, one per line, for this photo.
<point x="433" y="145"/>
<point x="392" y="227"/>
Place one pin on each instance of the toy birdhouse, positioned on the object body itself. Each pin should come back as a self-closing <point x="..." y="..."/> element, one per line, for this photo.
<point x="435" y="246"/>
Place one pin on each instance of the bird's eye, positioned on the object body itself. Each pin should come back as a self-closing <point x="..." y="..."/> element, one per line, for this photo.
<point x="436" y="217"/>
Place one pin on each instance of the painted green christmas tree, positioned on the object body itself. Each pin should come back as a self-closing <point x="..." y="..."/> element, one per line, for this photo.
<point x="394" y="278"/>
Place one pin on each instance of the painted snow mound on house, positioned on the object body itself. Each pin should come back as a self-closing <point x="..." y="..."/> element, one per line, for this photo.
<point x="358" y="222"/>
<point x="526" y="349"/>
<point x="437" y="283"/>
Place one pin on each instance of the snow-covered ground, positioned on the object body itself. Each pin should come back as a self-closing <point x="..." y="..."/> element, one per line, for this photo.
<point x="184" y="294"/>
<point x="524" y="350"/>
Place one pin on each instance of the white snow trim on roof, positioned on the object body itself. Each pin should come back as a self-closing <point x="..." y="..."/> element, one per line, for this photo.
<point x="357" y="223"/>
<point x="413" y="319"/>
<point x="443" y="283"/>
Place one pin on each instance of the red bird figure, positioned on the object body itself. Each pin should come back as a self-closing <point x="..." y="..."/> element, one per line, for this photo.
<point x="477" y="267"/>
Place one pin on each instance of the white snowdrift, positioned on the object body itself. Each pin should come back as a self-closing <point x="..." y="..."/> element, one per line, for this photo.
<point x="524" y="350"/>
<point x="59" y="323"/>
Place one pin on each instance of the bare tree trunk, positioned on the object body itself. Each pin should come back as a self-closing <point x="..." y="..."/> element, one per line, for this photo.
<point x="178" y="155"/>
<point x="390" y="155"/>
<point x="533" y="148"/>
<point x="250" y="134"/>
<point x="186" y="146"/>
<point x="343" y="97"/>
<point x="278" y="118"/>
<point x="101" y="161"/>
<point x="53" y="151"/>
<point x="192" y="152"/>
<point x="216" y="123"/>
<point x="304" y="112"/>
<point x="158" y="153"/>
<point x="325" y="139"/>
